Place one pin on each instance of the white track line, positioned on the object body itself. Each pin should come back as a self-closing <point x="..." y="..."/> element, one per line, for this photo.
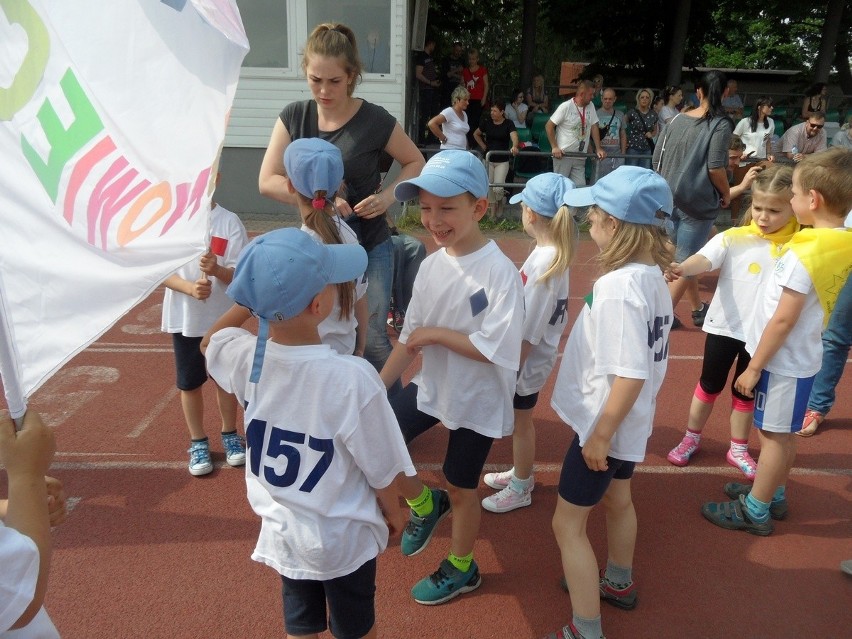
<point x="430" y="467"/>
<point x="159" y="407"/>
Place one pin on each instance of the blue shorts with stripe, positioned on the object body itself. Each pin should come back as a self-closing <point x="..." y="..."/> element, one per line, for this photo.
<point x="780" y="402"/>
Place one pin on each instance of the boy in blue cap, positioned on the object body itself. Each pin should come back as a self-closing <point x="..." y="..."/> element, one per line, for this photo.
<point x="466" y="317"/>
<point x="324" y="452"/>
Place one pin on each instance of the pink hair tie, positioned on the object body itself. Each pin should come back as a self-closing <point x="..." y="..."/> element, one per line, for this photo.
<point x="318" y="203"/>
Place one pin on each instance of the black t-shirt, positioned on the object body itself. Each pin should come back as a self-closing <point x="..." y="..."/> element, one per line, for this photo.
<point x="361" y="142"/>
<point x="497" y="136"/>
<point x="427" y="61"/>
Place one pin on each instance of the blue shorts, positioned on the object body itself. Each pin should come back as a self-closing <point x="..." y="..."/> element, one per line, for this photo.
<point x="466" y="449"/>
<point x="689" y="235"/>
<point x="190" y="365"/>
<point x="525" y="402"/>
<point x="351" y="601"/>
<point x="780" y="402"/>
<point x="582" y="486"/>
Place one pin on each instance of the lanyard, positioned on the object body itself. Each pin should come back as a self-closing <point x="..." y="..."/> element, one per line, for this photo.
<point x="582" y="115"/>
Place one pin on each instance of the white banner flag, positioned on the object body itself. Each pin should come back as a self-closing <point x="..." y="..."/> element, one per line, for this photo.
<point x="112" y="117"/>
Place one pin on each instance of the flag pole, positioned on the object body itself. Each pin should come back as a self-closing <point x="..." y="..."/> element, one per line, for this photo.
<point x="10" y="372"/>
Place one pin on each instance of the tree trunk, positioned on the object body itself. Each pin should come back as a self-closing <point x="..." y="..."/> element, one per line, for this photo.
<point x="680" y="28"/>
<point x="528" y="29"/>
<point x="828" y="43"/>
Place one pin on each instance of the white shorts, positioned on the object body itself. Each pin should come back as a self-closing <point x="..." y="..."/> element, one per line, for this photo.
<point x="780" y="402"/>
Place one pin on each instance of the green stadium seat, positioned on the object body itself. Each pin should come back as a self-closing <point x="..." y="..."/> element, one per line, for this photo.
<point x="537" y="128"/>
<point x="779" y="127"/>
<point x="524" y="135"/>
<point x="833" y="116"/>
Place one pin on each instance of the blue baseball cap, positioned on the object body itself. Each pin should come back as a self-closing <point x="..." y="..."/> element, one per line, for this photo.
<point x="312" y="165"/>
<point x="279" y="273"/>
<point x="544" y="193"/>
<point x="447" y="174"/>
<point x="630" y="193"/>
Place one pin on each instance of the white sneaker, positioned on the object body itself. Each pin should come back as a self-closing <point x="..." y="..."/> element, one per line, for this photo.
<point x="506" y="500"/>
<point x="498" y="481"/>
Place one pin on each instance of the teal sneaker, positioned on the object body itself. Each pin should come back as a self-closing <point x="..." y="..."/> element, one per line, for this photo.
<point x="777" y="509"/>
<point x="446" y="583"/>
<point x="733" y="515"/>
<point x="419" y="530"/>
<point x="199" y="459"/>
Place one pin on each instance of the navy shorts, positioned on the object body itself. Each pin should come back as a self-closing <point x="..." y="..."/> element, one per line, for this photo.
<point x="351" y="602"/>
<point x="190" y="365"/>
<point x="466" y="449"/>
<point x="525" y="402"/>
<point x="581" y="486"/>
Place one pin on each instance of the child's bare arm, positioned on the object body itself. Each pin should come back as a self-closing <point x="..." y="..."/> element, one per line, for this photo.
<point x="395" y="515"/>
<point x="234" y="317"/>
<point x="621" y="398"/>
<point x="455" y="341"/>
<point x="200" y="289"/>
<point x="27" y="456"/>
<point x="693" y="265"/>
<point x="783" y="320"/>
<point x="400" y="359"/>
<point x="210" y="266"/>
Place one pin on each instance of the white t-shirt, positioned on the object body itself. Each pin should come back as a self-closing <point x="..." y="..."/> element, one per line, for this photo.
<point x="801" y="354"/>
<point x="18" y="577"/>
<point x="545" y="321"/>
<point x="455" y="129"/>
<point x="746" y="265"/>
<point x="624" y="333"/>
<point x="340" y="333"/>
<point x="191" y="317"/>
<point x="755" y="141"/>
<point x="320" y="437"/>
<point x="569" y="124"/>
<point x="479" y="295"/>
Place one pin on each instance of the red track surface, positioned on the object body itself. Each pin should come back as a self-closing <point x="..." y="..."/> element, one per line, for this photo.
<point x="149" y="551"/>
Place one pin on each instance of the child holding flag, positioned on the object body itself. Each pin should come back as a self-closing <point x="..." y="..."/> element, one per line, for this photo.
<point x="194" y="300"/>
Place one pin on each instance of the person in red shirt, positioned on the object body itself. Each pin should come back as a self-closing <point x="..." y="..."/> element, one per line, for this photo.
<point x="475" y="78"/>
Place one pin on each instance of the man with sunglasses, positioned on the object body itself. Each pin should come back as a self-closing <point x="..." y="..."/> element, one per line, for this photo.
<point x="805" y="138"/>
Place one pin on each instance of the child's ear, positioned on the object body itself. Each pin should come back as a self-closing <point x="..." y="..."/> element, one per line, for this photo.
<point x="817" y="200"/>
<point x="480" y="208"/>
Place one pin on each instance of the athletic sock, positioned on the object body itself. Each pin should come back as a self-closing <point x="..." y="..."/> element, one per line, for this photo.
<point x="201" y="440"/>
<point x="694" y="434"/>
<point x="423" y="504"/>
<point x="462" y="563"/>
<point x="588" y="628"/>
<point x="739" y="447"/>
<point x="758" y="511"/>
<point x="520" y="485"/>
<point x="780" y="494"/>
<point x="619" y="577"/>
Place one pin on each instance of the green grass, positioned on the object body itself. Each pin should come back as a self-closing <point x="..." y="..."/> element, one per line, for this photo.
<point x="410" y="220"/>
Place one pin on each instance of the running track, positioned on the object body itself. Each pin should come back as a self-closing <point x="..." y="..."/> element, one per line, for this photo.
<point x="149" y="551"/>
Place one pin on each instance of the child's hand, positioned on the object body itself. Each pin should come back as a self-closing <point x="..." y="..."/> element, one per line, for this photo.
<point x="208" y="263"/>
<point x="396" y="519"/>
<point x="419" y="338"/>
<point x="201" y="289"/>
<point x="747" y="381"/>
<point x="673" y="272"/>
<point x="56" y="507"/>
<point x="748" y="178"/>
<point x="595" y="451"/>
<point x="29" y="451"/>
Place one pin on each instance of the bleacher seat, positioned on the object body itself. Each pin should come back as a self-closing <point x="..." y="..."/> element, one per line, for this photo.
<point x="524" y="135"/>
<point x="537" y="127"/>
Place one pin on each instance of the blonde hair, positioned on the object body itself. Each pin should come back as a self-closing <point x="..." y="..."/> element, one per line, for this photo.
<point x="830" y="173"/>
<point x="335" y="40"/>
<point x="773" y="179"/>
<point x="562" y="234"/>
<point x="630" y="240"/>
<point x="458" y="94"/>
<point x="639" y="93"/>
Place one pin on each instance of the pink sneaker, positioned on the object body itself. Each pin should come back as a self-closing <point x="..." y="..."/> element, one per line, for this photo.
<point x="680" y="454"/>
<point x="498" y="481"/>
<point x="744" y="462"/>
<point x="506" y="500"/>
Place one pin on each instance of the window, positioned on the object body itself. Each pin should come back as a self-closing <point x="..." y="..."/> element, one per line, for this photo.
<point x="370" y="20"/>
<point x="265" y="22"/>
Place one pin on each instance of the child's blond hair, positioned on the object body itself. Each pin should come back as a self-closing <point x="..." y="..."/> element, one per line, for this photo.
<point x="631" y="239"/>
<point x="830" y="173"/>
<point x="562" y="234"/>
<point x="772" y="179"/>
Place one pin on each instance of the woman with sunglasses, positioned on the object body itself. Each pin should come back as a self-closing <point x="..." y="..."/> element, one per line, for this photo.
<point x="756" y="130"/>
